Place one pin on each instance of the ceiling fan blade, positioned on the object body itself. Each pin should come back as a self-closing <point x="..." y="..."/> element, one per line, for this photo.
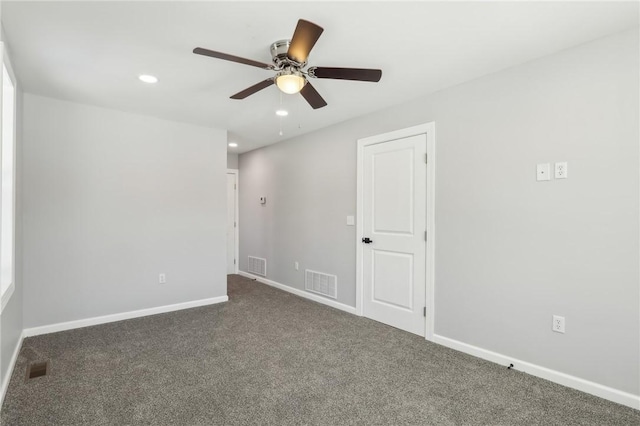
<point x="226" y="57"/>
<point x="312" y="96"/>
<point x="358" y="74"/>
<point x="304" y="38"/>
<point x="253" y="89"/>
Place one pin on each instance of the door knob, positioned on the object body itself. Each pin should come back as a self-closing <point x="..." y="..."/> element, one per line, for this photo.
<point x="367" y="240"/>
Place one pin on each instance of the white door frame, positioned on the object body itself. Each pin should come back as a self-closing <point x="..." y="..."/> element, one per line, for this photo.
<point x="237" y="230"/>
<point x="428" y="129"/>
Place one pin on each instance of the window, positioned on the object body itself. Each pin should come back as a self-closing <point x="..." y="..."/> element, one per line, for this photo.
<point x="7" y="181"/>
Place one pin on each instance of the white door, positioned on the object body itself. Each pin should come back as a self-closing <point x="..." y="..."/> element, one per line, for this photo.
<point x="231" y="222"/>
<point x="394" y="219"/>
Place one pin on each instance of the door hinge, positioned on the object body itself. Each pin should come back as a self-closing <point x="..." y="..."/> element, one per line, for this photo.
<point x="425" y="235"/>
<point x="424" y="311"/>
<point x="234" y="186"/>
<point x="426" y="158"/>
<point x="234" y="261"/>
<point x="234" y="224"/>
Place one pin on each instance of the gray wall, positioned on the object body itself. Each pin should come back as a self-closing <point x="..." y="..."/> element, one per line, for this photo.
<point x="11" y="319"/>
<point x="510" y="251"/>
<point x="310" y="188"/>
<point x="232" y="161"/>
<point x="111" y="200"/>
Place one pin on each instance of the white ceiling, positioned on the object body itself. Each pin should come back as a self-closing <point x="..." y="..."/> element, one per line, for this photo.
<point x="93" y="52"/>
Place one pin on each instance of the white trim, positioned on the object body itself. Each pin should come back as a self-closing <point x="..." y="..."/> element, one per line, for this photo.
<point x="6" y="62"/>
<point x="9" y="373"/>
<point x="6" y="296"/>
<point x="237" y="218"/>
<point x="70" y="325"/>
<point x="429" y="129"/>
<point x="431" y="231"/>
<point x="301" y="293"/>
<point x="564" y="379"/>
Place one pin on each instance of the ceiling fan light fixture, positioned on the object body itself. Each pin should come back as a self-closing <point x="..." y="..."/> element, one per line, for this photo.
<point x="290" y="81"/>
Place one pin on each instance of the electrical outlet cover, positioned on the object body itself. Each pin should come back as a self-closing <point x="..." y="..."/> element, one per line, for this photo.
<point x="561" y="170"/>
<point x="558" y="324"/>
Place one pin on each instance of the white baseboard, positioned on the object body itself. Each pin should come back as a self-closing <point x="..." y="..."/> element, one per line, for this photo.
<point x="301" y="293"/>
<point x="53" y="328"/>
<point x="592" y="388"/>
<point x="564" y="379"/>
<point x="12" y="365"/>
<point x="583" y="385"/>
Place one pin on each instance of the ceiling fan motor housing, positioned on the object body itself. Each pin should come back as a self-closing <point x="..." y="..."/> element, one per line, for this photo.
<point x="279" y="56"/>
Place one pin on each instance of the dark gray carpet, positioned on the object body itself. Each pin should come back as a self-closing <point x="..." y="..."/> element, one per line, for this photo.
<point x="270" y="358"/>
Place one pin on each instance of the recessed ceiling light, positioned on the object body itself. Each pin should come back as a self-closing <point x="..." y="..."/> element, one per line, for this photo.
<point x="233" y="144"/>
<point x="148" y="78"/>
<point x="282" y="113"/>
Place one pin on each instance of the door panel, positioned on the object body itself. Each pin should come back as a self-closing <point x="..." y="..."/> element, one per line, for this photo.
<point x="397" y="268"/>
<point x="393" y="192"/>
<point x="394" y="206"/>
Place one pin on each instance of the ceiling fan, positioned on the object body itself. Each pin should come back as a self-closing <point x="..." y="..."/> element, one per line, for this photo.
<point x="289" y="59"/>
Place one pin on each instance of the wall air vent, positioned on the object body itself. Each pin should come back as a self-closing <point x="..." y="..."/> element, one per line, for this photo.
<point x="257" y="265"/>
<point x="321" y="283"/>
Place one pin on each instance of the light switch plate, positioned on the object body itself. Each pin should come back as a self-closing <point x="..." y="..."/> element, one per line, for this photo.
<point x="543" y="171"/>
<point x="351" y="220"/>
